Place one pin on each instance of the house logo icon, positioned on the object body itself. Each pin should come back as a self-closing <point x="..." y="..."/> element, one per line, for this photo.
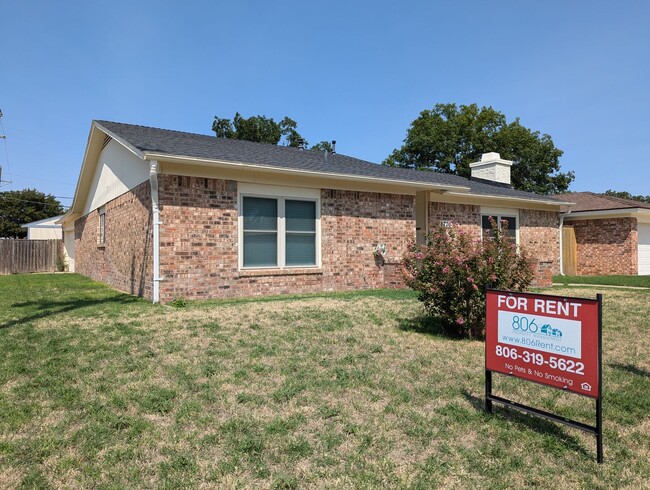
<point x="551" y="332"/>
<point x="586" y="386"/>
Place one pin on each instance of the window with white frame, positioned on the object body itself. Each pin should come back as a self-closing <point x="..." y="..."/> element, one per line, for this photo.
<point x="505" y="223"/>
<point x="278" y="231"/>
<point x="102" y="225"/>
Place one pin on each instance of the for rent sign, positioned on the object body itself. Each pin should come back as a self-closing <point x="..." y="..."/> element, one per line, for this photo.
<point x="548" y="339"/>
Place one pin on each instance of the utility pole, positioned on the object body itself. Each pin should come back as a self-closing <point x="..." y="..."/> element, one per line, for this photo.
<point x="3" y="137"/>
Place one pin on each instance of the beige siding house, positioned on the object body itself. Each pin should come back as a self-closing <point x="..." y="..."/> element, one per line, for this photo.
<point x="167" y="214"/>
<point x="44" y="229"/>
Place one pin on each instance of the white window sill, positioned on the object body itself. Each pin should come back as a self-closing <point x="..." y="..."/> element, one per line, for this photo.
<point x="296" y="271"/>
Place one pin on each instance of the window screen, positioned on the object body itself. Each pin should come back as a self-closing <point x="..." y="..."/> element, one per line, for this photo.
<point x="260" y="232"/>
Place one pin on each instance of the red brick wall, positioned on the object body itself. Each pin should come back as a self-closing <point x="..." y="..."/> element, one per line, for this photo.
<point x="125" y="260"/>
<point x="467" y="216"/>
<point x="199" y="243"/>
<point x="352" y="224"/>
<point x="606" y="246"/>
<point x="538" y="232"/>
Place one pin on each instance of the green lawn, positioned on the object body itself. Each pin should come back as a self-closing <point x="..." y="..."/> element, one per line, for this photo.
<point x="99" y="389"/>
<point x="633" y="281"/>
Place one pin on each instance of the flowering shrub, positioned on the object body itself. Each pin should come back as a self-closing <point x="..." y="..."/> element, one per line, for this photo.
<point x="452" y="272"/>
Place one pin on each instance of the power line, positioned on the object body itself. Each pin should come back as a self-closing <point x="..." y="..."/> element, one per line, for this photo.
<point x="2" y="195"/>
<point x="42" y="180"/>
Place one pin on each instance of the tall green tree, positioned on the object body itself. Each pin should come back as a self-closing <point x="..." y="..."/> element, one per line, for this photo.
<point x="627" y="195"/>
<point x="20" y="207"/>
<point x="448" y="138"/>
<point x="260" y="129"/>
<point x="323" y="146"/>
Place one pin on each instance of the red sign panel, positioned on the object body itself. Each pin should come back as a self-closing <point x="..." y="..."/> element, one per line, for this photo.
<point x="547" y="339"/>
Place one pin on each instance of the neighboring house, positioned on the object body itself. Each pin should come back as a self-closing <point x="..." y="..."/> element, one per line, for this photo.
<point x="166" y="214"/>
<point x="44" y="229"/>
<point x="605" y="235"/>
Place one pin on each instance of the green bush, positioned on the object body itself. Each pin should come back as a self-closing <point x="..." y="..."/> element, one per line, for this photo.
<point x="453" y="270"/>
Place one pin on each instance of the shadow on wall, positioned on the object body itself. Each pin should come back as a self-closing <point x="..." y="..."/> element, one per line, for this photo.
<point x="138" y="277"/>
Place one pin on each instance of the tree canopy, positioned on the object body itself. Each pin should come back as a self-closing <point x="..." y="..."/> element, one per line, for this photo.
<point x="323" y="146"/>
<point x="20" y="207"/>
<point x="448" y="138"/>
<point x="262" y="129"/>
<point x="627" y="195"/>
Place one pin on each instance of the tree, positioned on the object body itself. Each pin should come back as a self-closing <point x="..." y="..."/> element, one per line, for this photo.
<point x="260" y="129"/>
<point x="627" y="195"/>
<point x="448" y="138"/>
<point x="323" y="146"/>
<point x="20" y="207"/>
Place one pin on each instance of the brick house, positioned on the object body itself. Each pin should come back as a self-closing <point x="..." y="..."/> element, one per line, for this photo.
<point x="605" y="235"/>
<point x="166" y="214"/>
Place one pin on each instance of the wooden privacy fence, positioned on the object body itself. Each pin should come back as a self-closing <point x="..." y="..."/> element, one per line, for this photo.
<point x="23" y="256"/>
<point x="569" y="252"/>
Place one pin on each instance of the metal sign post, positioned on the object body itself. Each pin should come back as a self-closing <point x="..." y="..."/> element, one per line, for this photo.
<point x="551" y="340"/>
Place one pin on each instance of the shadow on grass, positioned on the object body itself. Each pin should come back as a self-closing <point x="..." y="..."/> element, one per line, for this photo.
<point x="533" y="422"/>
<point x="380" y="294"/>
<point x="630" y="368"/>
<point x="46" y="307"/>
<point x="430" y="325"/>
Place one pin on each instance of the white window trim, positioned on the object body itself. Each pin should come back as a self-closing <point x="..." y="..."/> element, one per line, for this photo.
<point x="501" y="213"/>
<point x="280" y="193"/>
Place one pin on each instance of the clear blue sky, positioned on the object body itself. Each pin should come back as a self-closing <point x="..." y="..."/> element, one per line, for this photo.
<point x="357" y="72"/>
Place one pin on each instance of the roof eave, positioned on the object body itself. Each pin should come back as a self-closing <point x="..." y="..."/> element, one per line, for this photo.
<point x="330" y="175"/>
<point x="546" y="202"/>
<point x="605" y="213"/>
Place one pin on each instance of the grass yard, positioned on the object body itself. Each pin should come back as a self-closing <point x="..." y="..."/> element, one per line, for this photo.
<point x="99" y="389"/>
<point x="631" y="281"/>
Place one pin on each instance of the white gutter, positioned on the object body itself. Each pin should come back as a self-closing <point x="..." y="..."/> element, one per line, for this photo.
<point x="153" y="180"/>
<point x="511" y="198"/>
<point x="612" y="213"/>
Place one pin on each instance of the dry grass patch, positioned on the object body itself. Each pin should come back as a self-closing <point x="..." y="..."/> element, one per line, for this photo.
<point x="340" y="391"/>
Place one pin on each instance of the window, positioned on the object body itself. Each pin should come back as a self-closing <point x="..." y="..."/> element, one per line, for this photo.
<point x="278" y="231"/>
<point x="102" y="226"/>
<point x="505" y="223"/>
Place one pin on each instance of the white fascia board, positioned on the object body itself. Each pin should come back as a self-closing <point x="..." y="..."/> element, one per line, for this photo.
<point x="639" y="213"/>
<point x="307" y="173"/>
<point x="67" y="217"/>
<point x="54" y="219"/>
<point x="517" y="199"/>
<point x="86" y="173"/>
<point x="84" y="164"/>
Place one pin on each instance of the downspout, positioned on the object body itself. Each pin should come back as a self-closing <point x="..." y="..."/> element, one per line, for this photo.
<point x="153" y="180"/>
<point x="562" y="216"/>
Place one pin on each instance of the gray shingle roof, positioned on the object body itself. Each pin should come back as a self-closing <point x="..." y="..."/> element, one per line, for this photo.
<point x="177" y="143"/>
<point x="590" y="201"/>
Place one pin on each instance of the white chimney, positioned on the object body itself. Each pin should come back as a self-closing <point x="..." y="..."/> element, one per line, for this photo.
<point x="492" y="167"/>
